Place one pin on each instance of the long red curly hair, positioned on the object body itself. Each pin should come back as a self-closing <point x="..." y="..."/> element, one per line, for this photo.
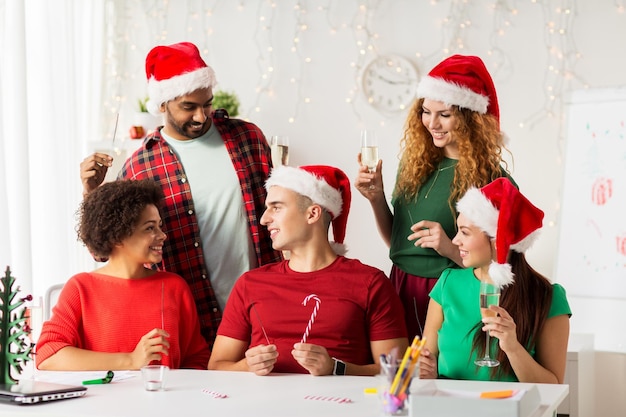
<point x="480" y="146"/>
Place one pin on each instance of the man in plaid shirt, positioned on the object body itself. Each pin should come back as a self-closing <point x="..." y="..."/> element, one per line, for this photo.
<point x="212" y="170"/>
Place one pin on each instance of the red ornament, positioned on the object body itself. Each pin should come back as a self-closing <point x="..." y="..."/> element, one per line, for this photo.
<point x="137" y="132"/>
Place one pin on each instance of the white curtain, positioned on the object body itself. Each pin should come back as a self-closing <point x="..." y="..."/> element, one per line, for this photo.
<point x="51" y="90"/>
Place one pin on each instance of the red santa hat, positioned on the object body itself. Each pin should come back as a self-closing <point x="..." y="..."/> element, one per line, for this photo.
<point x="324" y="185"/>
<point x="501" y="211"/>
<point x="173" y="71"/>
<point x="462" y="81"/>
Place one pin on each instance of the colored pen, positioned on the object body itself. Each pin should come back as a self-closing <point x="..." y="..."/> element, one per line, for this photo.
<point x="497" y="394"/>
<point x="396" y="381"/>
<point x="108" y="378"/>
<point x="409" y="374"/>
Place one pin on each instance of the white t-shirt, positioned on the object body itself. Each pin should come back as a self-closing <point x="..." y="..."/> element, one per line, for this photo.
<point x="227" y="244"/>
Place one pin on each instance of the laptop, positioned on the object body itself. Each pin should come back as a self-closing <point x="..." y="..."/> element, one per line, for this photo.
<point x="33" y="392"/>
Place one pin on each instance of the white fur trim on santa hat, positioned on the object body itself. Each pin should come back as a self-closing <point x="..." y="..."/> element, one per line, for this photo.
<point x="165" y="90"/>
<point x="452" y="94"/>
<point x="307" y="184"/>
<point x="479" y="210"/>
<point x="500" y="274"/>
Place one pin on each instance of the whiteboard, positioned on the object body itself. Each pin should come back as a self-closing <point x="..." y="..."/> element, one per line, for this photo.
<point x="592" y="240"/>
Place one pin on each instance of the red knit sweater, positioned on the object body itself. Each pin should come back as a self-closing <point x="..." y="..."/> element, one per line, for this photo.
<point x="107" y="314"/>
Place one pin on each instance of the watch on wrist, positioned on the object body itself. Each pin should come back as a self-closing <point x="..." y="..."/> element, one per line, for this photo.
<point x="339" y="368"/>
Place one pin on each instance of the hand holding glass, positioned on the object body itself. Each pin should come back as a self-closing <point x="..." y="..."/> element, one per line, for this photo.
<point x="489" y="296"/>
<point x="280" y="150"/>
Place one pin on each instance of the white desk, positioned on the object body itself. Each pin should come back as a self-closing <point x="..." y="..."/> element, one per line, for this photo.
<point x="248" y="395"/>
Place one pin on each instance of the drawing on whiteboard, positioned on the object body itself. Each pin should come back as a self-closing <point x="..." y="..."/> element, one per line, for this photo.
<point x="592" y="239"/>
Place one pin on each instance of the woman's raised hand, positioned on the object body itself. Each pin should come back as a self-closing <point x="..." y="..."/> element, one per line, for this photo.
<point x="370" y="184"/>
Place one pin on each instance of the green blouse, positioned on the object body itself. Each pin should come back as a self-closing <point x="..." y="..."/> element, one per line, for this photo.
<point x="457" y="292"/>
<point x="431" y="204"/>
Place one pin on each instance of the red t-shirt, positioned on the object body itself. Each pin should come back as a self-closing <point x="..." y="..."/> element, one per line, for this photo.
<point x="352" y="304"/>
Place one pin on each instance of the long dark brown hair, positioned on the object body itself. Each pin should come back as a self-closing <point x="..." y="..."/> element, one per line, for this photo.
<point x="528" y="302"/>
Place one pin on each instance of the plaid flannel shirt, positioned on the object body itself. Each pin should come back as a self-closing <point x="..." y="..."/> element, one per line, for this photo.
<point x="250" y="155"/>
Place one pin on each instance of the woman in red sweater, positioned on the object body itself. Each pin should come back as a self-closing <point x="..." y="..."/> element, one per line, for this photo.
<point x="123" y="315"/>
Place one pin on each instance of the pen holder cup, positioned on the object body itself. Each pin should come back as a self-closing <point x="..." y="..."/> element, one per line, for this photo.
<point x="393" y="389"/>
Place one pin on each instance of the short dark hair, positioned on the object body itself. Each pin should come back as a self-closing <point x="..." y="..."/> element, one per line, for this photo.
<point x="305" y="202"/>
<point x="110" y="213"/>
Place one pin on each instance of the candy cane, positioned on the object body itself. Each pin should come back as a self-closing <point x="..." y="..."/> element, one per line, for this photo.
<point x="214" y="394"/>
<point x="340" y="400"/>
<point x="313" y="314"/>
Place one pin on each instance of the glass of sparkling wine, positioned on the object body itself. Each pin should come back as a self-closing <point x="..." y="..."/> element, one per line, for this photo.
<point x="35" y="318"/>
<point x="369" y="149"/>
<point x="280" y="150"/>
<point x="489" y="296"/>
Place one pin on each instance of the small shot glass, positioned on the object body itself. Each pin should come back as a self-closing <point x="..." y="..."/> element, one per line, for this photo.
<point x="154" y="377"/>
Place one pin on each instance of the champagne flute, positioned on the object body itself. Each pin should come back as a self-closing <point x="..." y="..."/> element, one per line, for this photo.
<point x="35" y="322"/>
<point x="489" y="296"/>
<point x="369" y="151"/>
<point x="280" y="150"/>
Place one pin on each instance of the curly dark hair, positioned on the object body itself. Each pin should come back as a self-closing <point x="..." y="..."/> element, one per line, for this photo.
<point x="110" y="213"/>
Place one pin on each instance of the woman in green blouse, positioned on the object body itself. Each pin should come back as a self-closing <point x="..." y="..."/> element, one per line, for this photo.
<point x="530" y="327"/>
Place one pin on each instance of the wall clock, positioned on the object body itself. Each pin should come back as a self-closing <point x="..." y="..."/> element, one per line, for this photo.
<point x="389" y="83"/>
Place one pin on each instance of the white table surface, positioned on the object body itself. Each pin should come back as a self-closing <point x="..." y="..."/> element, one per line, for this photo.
<point x="248" y="395"/>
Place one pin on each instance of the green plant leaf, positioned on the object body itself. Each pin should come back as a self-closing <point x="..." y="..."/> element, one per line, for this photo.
<point x="227" y="100"/>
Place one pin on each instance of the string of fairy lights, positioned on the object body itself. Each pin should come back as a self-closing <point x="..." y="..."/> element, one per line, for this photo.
<point x="364" y="37"/>
<point x="131" y="23"/>
<point x="504" y="14"/>
<point x="266" y="13"/>
<point x="560" y="74"/>
<point x="303" y="59"/>
<point x="455" y="26"/>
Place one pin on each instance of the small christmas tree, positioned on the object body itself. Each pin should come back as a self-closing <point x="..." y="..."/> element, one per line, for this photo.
<point x="15" y="345"/>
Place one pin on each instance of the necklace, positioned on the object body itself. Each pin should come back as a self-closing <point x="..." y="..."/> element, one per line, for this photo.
<point x="437" y="176"/>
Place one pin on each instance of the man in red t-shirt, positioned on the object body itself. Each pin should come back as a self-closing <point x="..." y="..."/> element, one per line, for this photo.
<point x="318" y="312"/>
